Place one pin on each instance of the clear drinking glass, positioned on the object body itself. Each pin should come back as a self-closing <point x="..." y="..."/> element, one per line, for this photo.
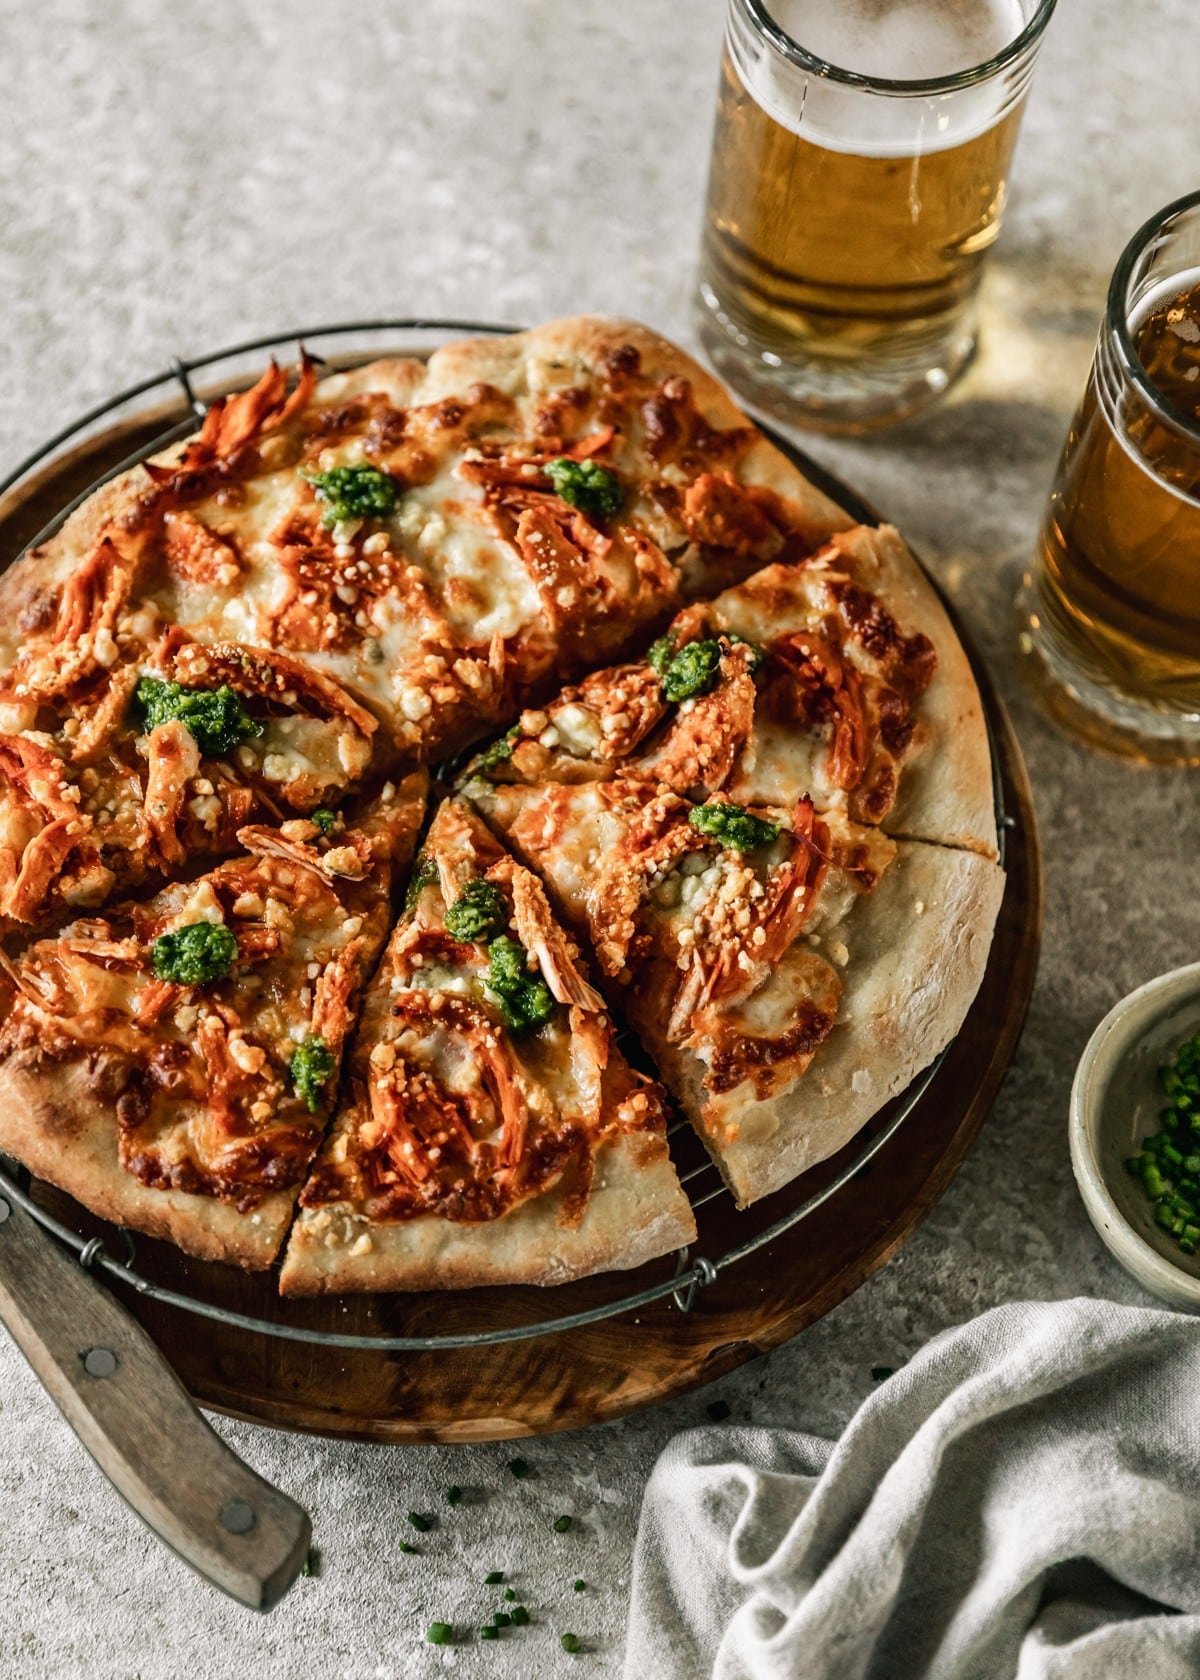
<point x="1112" y="604"/>
<point x="859" y="171"/>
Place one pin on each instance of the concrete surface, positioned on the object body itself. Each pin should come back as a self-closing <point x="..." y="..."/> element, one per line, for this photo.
<point x="173" y="178"/>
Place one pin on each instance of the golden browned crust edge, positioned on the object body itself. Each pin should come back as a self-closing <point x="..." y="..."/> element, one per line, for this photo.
<point x="60" y="1108"/>
<point x="918" y="950"/>
<point x="508" y="363"/>
<point x="946" y="792"/>
<point x="636" y="1212"/>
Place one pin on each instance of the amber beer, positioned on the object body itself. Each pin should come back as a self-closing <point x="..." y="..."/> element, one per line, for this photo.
<point x="846" y="221"/>
<point x="1115" y="596"/>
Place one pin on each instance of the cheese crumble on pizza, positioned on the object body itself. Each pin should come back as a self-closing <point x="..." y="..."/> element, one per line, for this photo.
<point x="727" y="739"/>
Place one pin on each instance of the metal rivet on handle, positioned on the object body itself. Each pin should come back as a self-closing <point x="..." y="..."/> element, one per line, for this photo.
<point x="237" y="1516"/>
<point x="5" y="1210"/>
<point x="99" y="1362"/>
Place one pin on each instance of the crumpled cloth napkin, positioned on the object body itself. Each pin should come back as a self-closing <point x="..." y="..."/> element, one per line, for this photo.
<point x="1020" y="1502"/>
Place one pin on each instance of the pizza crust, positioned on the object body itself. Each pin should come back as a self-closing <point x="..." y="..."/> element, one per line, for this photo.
<point x="908" y="984"/>
<point x="911" y="976"/>
<point x="546" y="358"/>
<point x="54" y="1122"/>
<point x="636" y="1211"/>
<point x="946" y="793"/>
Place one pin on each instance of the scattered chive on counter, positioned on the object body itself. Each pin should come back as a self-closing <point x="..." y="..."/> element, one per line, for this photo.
<point x="453" y="1495"/>
<point x="518" y="1467"/>
<point x="413" y="1551"/>
<point x="420" y="1523"/>
<point x="440" y="1633"/>
<point x="718" y="1410"/>
<point x="489" y="1632"/>
<point x="578" y="1586"/>
<point x="1169" y="1162"/>
<point x="570" y="1642"/>
<point x="509" y="1594"/>
<point x="493" y="1578"/>
<point x="520" y="1616"/>
<point x="561" y="1524"/>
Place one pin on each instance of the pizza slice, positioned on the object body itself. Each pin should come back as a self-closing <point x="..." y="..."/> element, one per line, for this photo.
<point x="172" y="1063"/>
<point x="491" y="1131"/>
<point x="438" y="540"/>
<point x="788" y="971"/>
<point x="839" y="676"/>
<point x="162" y="759"/>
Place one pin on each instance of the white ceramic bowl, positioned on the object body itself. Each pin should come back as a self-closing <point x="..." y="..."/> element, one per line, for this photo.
<point x="1115" y="1102"/>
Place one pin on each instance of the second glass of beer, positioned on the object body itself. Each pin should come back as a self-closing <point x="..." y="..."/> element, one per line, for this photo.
<point x="859" y="172"/>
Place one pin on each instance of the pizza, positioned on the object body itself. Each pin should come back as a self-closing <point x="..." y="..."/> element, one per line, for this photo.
<point x="727" y="784"/>
<point x="173" y="1061"/>
<point x="803" y="680"/>
<point x="788" y="970"/>
<point x="491" y="1130"/>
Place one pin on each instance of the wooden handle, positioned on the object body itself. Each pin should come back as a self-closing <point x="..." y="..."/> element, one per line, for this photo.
<point x="136" y="1419"/>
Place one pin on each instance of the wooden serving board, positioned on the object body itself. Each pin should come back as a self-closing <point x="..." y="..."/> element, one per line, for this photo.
<point x="617" y="1365"/>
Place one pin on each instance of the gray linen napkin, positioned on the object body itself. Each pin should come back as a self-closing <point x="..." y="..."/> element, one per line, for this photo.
<point x="1020" y="1502"/>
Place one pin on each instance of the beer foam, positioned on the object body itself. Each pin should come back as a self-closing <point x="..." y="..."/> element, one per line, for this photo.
<point x="900" y="40"/>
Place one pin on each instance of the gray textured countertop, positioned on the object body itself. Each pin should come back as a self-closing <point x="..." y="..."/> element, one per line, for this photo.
<point x="175" y="178"/>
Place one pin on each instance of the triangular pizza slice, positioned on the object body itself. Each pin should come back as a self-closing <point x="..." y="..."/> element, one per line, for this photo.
<point x="491" y="1130"/>
<point x="172" y="1062"/>
<point x="437" y="539"/>
<point x="138" y="769"/>
<point x="788" y="971"/>
<point x="839" y="677"/>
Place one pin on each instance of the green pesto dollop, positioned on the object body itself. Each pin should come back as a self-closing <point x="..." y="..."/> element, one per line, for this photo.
<point x="311" y="1067"/>
<point x="586" y="485"/>
<point x="324" y="818"/>
<point x="500" y="750"/>
<point x="523" y="999"/>
<point x="479" y="912"/>
<point x="215" y="717"/>
<point x="194" y="955"/>
<point x="733" y="826"/>
<point x="659" y="655"/>
<point x="424" y="874"/>
<point x="353" y="493"/>
<point x="691" y="671"/>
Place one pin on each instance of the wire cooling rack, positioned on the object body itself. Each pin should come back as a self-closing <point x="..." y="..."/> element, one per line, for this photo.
<point x="164" y="408"/>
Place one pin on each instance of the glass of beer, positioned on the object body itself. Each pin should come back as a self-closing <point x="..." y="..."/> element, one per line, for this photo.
<point x="1112" y="605"/>
<point x="859" y="170"/>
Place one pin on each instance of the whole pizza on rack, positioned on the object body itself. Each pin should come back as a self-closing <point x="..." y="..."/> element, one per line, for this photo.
<point x="720" y="775"/>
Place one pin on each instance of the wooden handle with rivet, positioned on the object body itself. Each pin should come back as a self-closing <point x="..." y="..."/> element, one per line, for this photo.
<point x="136" y="1419"/>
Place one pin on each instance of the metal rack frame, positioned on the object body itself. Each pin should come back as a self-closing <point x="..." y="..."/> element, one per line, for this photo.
<point x="692" y="1272"/>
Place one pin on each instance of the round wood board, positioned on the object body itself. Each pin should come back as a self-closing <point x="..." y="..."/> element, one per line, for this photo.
<point x="617" y="1365"/>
